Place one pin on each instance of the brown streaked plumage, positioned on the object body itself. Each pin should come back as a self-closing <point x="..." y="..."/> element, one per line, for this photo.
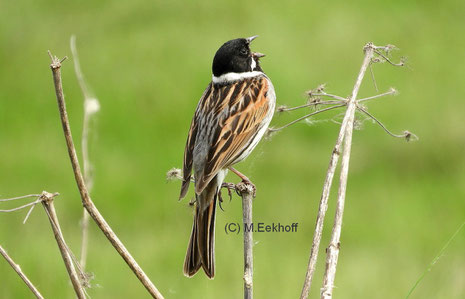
<point x="231" y="118"/>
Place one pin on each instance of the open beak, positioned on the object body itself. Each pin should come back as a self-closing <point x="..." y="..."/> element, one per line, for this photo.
<point x="250" y="39"/>
<point x="257" y="55"/>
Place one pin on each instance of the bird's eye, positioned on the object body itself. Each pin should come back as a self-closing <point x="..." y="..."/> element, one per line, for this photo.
<point x="244" y="51"/>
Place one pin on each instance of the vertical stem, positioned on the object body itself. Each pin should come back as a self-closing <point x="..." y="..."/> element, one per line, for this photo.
<point x="86" y="200"/>
<point x="50" y="209"/>
<point x="23" y="276"/>
<point x="334" y="245"/>
<point x="247" y="193"/>
<point x="330" y="175"/>
<point x="323" y="207"/>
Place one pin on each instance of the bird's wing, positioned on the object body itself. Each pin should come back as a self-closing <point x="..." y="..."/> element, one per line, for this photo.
<point x="190" y="144"/>
<point x="238" y="111"/>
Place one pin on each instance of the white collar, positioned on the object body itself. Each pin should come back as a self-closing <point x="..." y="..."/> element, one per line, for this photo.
<point x="231" y="77"/>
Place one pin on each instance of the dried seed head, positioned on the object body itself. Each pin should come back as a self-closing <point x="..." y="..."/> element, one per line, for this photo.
<point x="281" y="108"/>
<point x="319" y="89"/>
<point x="174" y="174"/>
<point x="389" y="48"/>
<point x="403" y="60"/>
<point x="393" y="91"/>
<point x="269" y="133"/>
<point x="409" y="136"/>
<point x="314" y="100"/>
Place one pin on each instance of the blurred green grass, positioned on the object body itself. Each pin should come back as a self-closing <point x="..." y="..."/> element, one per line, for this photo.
<point x="148" y="63"/>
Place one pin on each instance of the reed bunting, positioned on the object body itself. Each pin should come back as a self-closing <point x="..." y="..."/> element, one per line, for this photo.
<point x="231" y="118"/>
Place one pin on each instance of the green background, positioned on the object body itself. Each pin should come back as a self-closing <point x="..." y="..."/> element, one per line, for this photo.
<point x="148" y="62"/>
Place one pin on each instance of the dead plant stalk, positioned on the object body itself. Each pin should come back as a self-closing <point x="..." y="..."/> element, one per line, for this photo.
<point x="47" y="202"/>
<point x="344" y="141"/>
<point x="21" y="274"/>
<point x="86" y="200"/>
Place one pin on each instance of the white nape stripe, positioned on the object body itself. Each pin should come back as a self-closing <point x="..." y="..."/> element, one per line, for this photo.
<point x="253" y="64"/>
<point x="231" y="77"/>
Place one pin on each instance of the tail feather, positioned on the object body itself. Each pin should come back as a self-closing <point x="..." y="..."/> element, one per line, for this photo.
<point x="201" y="248"/>
<point x="192" y="262"/>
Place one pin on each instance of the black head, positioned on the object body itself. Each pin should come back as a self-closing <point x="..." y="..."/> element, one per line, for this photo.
<point x="235" y="56"/>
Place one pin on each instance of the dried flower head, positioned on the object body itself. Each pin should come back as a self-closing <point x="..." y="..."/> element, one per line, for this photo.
<point x="281" y="108"/>
<point x="174" y="174"/>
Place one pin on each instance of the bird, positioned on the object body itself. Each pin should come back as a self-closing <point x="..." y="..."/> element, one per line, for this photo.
<point x="231" y="117"/>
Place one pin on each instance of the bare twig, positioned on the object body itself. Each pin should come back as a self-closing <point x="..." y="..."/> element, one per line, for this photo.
<point x="407" y="135"/>
<point x="86" y="200"/>
<point x="322" y="93"/>
<point x="391" y="91"/>
<point x="20" y="197"/>
<point x="401" y="63"/>
<point x="91" y="106"/>
<point x="313" y="103"/>
<point x="22" y="207"/>
<point x="246" y="191"/>
<point x="21" y="274"/>
<point x="304" y="117"/>
<point x="31" y="204"/>
<point x="47" y="202"/>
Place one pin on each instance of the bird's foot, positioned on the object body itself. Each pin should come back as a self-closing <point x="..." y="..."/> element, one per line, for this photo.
<point x="246" y="186"/>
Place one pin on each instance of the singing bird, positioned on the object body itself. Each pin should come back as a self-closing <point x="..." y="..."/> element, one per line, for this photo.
<point x="231" y="117"/>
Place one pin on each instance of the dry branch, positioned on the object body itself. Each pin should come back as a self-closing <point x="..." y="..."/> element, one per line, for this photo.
<point x="21" y="274"/>
<point x="344" y="139"/>
<point x="86" y="200"/>
<point x="31" y="204"/>
<point x="348" y="125"/>
<point x="47" y="202"/>
<point x="247" y="191"/>
<point x="323" y="207"/>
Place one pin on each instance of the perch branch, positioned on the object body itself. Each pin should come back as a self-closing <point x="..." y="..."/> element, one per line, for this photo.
<point x="47" y="202"/>
<point x="407" y="135"/>
<point x="86" y="200"/>
<point x="246" y="191"/>
<point x="91" y="106"/>
<point x="21" y="274"/>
